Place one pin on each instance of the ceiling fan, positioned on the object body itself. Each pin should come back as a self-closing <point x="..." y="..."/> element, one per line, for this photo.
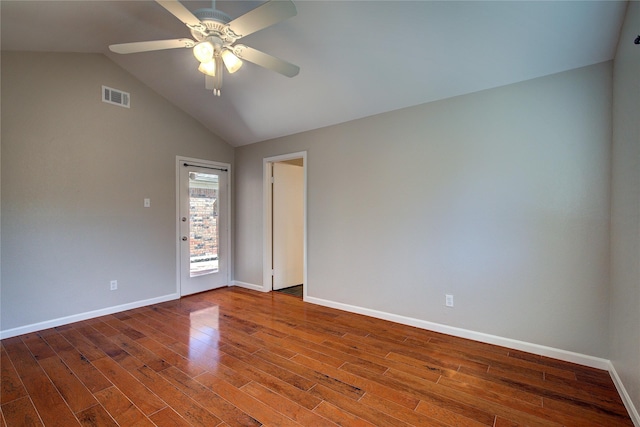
<point x="215" y="34"/>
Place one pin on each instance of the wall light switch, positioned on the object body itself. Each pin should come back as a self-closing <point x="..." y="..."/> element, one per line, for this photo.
<point x="147" y="203"/>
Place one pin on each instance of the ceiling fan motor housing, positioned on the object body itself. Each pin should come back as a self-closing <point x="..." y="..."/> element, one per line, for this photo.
<point x="215" y="21"/>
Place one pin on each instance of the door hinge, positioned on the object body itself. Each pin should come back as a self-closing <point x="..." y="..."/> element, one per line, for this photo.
<point x="273" y="273"/>
<point x="272" y="180"/>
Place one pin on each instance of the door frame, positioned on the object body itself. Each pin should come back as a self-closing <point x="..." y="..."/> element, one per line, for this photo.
<point x="227" y="246"/>
<point x="267" y="240"/>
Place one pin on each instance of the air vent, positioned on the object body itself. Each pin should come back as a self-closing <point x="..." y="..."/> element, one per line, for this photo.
<point x="115" y="96"/>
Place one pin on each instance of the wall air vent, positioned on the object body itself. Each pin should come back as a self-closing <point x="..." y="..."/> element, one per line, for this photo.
<point x="115" y="96"/>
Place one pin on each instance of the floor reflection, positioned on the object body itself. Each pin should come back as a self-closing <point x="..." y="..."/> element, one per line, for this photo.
<point x="204" y="334"/>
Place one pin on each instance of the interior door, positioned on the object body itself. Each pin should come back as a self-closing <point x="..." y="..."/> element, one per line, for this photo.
<point x="203" y="219"/>
<point x="288" y="225"/>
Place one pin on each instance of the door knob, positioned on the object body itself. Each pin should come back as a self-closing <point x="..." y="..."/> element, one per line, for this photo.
<point x="184" y="238"/>
<point x="184" y="219"/>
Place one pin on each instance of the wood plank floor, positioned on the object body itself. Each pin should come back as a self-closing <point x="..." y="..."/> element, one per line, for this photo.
<point x="234" y="357"/>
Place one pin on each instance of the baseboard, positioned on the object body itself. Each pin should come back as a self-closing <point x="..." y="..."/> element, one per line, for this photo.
<point x="246" y="285"/>
<point x="626" y="399"/>
<point x="568" y="356"/>
<point x="84" y="316"/>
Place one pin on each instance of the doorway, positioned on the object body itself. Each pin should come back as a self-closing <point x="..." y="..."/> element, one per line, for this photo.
<point x="202" y="225"/>
<point x="284" y="263"/>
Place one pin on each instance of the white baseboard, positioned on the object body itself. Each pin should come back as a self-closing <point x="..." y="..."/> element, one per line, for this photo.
<point x="582" y="359"/>
<point x="84" y="316"/>
<point x="624" y="395"/>
<point x="246" y="285"/>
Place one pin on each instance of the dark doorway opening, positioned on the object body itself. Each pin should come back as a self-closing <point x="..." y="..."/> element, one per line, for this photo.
<point x="292" y="290"/>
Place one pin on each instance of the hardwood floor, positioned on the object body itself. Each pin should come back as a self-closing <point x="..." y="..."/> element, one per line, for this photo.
<point x="234" y="357"/>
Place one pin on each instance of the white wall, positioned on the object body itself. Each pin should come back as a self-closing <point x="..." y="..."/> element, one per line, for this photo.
<point x="625" y="211"/>
<point x="499" y="197"/>
<point x="75" y="172"/>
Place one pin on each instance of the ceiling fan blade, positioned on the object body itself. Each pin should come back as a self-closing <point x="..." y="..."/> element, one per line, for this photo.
<point x="136" y="47"/>
<point x="263" y="16"/>
<point x="267" y="61"/>
<point x="179" y="11"/>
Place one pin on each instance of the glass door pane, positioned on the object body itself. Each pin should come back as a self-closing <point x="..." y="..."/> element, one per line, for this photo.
<point x="204" y="233"/>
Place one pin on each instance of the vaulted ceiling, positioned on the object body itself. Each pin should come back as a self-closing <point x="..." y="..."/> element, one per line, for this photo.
<point x="357" y="58"/>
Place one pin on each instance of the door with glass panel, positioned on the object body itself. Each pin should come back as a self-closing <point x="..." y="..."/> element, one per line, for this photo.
<point x="203" y="230"/>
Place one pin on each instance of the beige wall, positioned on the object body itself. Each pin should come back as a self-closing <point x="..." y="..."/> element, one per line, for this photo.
<point x="625" y="211"/>
<point x="75" y="172"/>
<point x="500" y="198"/>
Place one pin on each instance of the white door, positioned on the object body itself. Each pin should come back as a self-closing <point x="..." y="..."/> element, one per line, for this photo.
<point x="203" y="231"/>
<point x="288" y="225"/>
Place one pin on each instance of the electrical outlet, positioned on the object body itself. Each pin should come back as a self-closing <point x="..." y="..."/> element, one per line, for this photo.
<point x="114" y="285"/>
<point x="448" y="300"/>
<point x="147" y="203"/>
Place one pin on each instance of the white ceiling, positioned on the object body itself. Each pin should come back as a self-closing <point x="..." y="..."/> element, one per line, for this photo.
<point x="357" y="58"/>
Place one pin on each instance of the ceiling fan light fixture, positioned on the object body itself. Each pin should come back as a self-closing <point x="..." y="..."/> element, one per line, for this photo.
<point x="208" y="68"/>
<point x="232" y="62"/>
<point x="203" y="51"/>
